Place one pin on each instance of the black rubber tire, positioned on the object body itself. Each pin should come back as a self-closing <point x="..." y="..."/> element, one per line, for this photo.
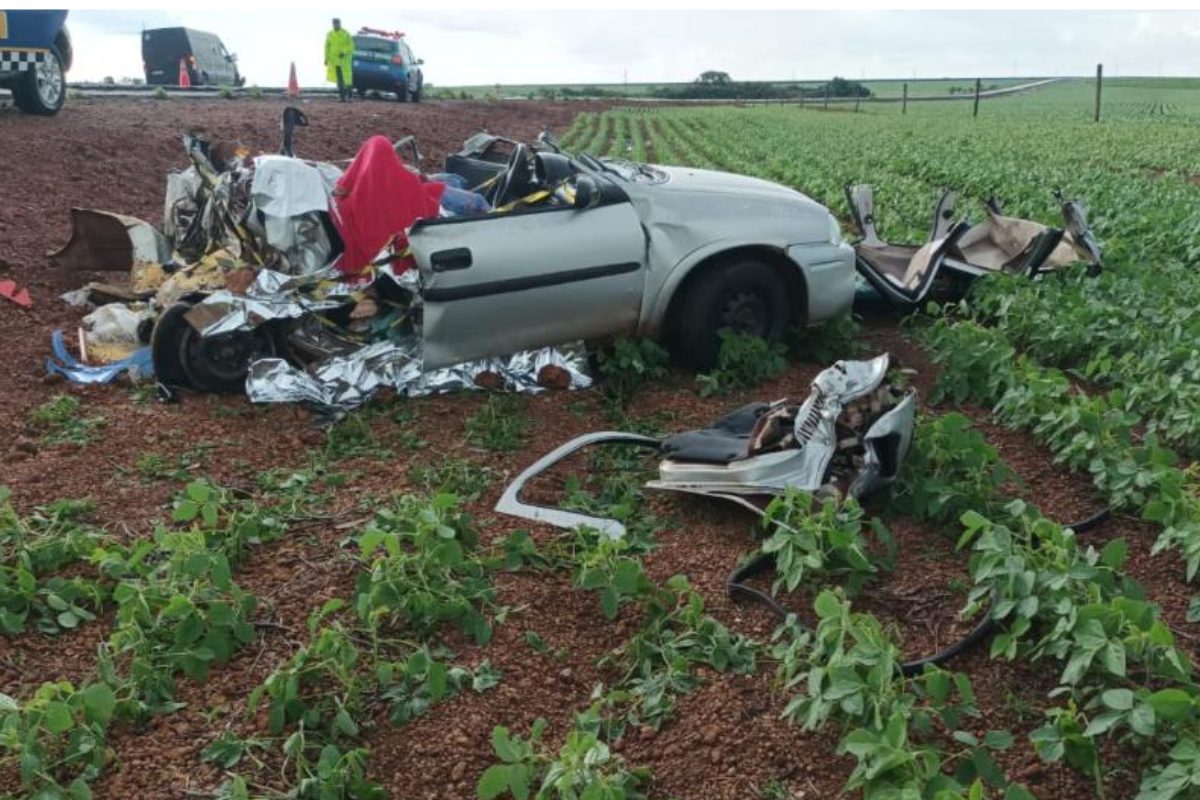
<point x="402" y="94"/>
<point x="207" y="371"/>
<point x="164" y="346"/>
<point x="743" y="294"/>
<point x="25" y="93"/>
<point x="415" y="97"/>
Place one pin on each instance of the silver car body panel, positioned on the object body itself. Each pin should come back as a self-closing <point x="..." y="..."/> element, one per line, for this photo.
<point x="695" y="215"/>
<point x="509" y="282"/>
<point x="522" y="280"/>
<point x="802" y="466"/>
<point x="510" y="502"/>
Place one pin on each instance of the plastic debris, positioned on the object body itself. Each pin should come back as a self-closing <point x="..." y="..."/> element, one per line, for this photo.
<point x="19" y="295"/>
<point x="139" y="365"/>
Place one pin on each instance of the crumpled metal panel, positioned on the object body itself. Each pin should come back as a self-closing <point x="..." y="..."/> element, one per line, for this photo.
<point x="290" y="187"/>
<point x="815" y="431"/>
<point x="272" y="296"/>
<point x="894" y="430"/>
<point x="802" y="466"/>
<point x="105" y="242"/>
<point x="181" y="210"/>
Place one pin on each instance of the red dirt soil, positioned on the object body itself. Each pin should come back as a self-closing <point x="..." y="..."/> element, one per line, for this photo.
<point x="725" y="741"/>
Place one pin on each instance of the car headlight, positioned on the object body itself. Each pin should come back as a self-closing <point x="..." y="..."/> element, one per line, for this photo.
<point x="835" y="230"/>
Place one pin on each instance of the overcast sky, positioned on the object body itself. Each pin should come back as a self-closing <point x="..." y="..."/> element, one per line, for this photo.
<point x="480" y="47"/>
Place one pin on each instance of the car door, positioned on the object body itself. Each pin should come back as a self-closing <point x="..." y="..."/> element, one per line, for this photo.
<point x="506" y="282"/>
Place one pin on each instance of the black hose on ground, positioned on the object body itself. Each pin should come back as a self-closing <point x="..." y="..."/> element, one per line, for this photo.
<point x="736" y="587"/>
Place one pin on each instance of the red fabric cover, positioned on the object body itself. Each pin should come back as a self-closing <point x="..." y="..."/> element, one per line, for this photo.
<point x="377" y="199"/>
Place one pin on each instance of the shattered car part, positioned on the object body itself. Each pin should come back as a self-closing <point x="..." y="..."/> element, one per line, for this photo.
<point x="767" y="449"/>
<point x="510" y="502"/>
<point x="105" y="242"/>
<point x="849" y="436"/>
<point x="954" y="255"/>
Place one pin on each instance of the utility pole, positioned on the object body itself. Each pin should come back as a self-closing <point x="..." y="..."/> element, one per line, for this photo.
<point x="978" y="82"/>
<point x="904" y="101"/>
<point x="1099" y="80"/>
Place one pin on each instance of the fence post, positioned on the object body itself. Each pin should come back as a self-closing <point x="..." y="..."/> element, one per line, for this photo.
<point x="1099" y="80"/>
<point x="826" y="96"/>
<point x="856" y="101"/>
<point x="904" y="101"/>
<point x="977" y="84"/>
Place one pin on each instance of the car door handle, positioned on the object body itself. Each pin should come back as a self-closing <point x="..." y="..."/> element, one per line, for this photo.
<point x="452" y="259"/>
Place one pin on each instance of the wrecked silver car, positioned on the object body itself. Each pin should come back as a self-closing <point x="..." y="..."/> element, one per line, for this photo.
<point x="511" y="248"/>
<point x="957" y="253"/>
<point x="849" y="436"/>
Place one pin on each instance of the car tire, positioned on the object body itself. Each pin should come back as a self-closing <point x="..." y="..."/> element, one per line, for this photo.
<point x="415" y="97"/>
<point x="402" y="94"/>
<point x="744" y="295"/>
<point x="43" y="88"/>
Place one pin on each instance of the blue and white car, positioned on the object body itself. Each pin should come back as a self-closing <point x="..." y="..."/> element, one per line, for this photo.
<point x="35" y="54"/>
<point x="384" y="62"/>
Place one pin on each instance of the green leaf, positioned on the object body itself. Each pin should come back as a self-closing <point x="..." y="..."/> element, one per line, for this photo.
<point x="1142" y="720"/>
<point x="99" y="702"/>
<point x="186" y="511"/>
<point x="826" y="605"/>
<point x="79" y="790"/>
<point x="1170" y="705"/>
<point x="58" y="717"/>
<point x="1118" y="699"/>
<point x="345" y="723"/>
<point x="609" y="602"/>
<point x="1114" y="553"/>
<point x="998" y="740"/>
<point x="506" y="749"/>
<point x="518" y="780"/>
<point x="493" y="782"/>
<point x="1113" y="658"/>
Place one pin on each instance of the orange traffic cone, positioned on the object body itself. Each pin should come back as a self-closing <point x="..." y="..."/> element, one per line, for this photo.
<point x="185" y="80"/>
<point x="293" y="89"/>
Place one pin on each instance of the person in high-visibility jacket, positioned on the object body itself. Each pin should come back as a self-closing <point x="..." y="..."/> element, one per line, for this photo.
<point x="339" y="51"/>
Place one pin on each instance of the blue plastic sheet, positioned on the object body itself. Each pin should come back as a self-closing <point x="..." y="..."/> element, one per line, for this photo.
<point x="77" y="372"/>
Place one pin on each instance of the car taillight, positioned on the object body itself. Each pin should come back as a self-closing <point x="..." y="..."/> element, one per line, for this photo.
<point x="398" y="60"/>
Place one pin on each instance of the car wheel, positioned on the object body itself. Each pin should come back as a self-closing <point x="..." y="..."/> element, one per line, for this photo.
<point x="218" y="364"/>
<point x="742" y="295"/>
<point x="402" y="94"/>
<point x="415" y="97"/>
<point x="42" y="89"/>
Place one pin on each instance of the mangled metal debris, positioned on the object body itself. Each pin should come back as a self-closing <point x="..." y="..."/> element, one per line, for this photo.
<point x="849" y="436"/>
<point x="957" y="253"/>
<point x="256" y="283"/>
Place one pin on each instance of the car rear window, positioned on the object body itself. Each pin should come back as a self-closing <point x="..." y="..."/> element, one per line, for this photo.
<point x="370" y="44"/>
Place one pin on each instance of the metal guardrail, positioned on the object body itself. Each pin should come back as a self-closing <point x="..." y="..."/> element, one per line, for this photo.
<point x="123" y="90"/>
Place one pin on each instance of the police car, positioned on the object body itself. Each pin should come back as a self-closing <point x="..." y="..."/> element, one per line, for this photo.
<point x="35" y="54"/>
<point x="383" y="62"/>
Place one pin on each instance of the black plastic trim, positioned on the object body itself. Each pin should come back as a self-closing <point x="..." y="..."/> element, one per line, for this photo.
<point x="455" y="258"/>
<point x="452" y="293"/>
